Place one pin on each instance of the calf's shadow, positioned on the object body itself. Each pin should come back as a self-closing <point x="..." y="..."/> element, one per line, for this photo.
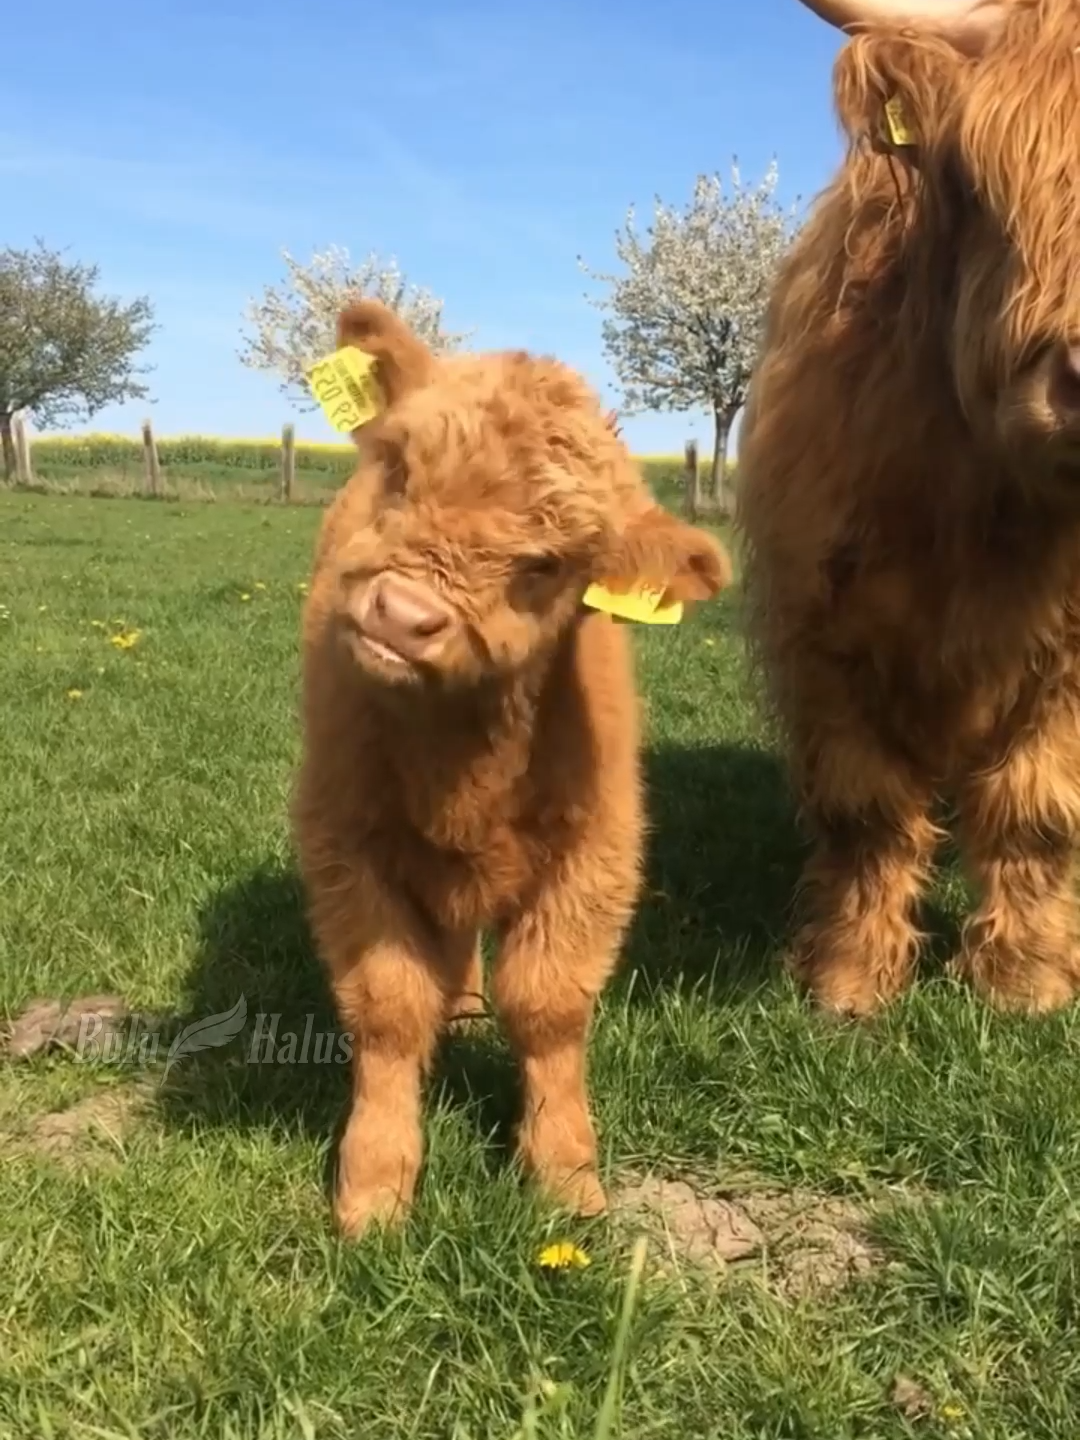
<point x="722" y="857"/>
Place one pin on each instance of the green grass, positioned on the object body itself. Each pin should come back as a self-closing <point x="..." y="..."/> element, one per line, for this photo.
<point x="192" y="1286"/>
<point x="205" y="468"/>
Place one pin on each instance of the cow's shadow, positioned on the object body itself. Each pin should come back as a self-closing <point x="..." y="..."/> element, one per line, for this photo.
<point x="723" y="853"/>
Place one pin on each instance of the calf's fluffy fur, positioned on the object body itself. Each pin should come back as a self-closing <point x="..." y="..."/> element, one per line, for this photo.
<point x="910" y="497"/>
<point x="471" y="740"/>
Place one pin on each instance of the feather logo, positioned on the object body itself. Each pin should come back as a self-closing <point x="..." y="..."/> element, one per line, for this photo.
<point x="207" y="1034"/>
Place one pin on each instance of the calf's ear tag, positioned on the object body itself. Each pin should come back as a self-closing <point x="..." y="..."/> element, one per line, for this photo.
<point x="344" y="384"/>
<point x="642" y="606"/>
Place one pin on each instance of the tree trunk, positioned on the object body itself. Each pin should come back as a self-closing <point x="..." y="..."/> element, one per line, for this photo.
<point x="7" y="439"/>
<point x="689" y="480"/>
<point x="721" y="430"/>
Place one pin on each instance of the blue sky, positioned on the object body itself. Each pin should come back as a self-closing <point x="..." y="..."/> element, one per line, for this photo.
<point x="485" y="147"/>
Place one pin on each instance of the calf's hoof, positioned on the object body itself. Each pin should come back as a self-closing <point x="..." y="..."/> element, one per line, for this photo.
<point x="366" y="1207"/>
<point x="1012" y="983"/>
<point x="576" y="1190"/>
<point x="840" y="986"/>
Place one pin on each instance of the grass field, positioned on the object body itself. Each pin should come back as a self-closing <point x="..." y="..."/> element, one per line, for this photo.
<point x="207" y="467"/>
<point x="172" y="1274"/>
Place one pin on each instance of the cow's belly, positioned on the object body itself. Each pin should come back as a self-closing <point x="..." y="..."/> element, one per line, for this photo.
<point x="952" y="686"/>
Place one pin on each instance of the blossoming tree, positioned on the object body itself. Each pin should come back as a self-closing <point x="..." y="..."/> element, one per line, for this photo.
<point x="291" y="325"/>
<point x="684" y="319"/>
<point x="65" y="351"/>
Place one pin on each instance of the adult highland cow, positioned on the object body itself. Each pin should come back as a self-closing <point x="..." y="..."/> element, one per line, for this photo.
<point x="910" y="500"/>
<point x="471" y="739"/>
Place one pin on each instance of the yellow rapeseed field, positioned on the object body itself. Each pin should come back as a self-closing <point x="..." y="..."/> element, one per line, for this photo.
<point x="99" y="449"/>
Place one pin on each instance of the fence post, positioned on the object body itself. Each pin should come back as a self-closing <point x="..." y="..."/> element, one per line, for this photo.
<point x="288" y="462"/>
<point x="24" y="473"/>
<point x="150" y="457"/>
<point x="691" y="481"/>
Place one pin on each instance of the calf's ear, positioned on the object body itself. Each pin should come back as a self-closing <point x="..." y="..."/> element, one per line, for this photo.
<point x="656" y="551"/>
<point x="402" y="361"/>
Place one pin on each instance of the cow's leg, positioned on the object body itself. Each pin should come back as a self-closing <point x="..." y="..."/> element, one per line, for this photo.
<point x="552" y="965"/>
<point x="466" y="1004"/>
<point x="1019" y="824"/>
<point x="873" y="843"/>
<point x="391" y="976"/>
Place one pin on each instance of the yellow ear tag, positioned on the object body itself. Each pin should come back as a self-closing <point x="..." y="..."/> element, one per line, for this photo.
<point x="900" y="132"/>
<point x="640" y="605"/>
<point x="344" y="384"/>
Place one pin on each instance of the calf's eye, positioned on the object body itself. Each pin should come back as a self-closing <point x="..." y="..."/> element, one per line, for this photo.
<point x="541" y="565"/>
<point x="394" y="481"/>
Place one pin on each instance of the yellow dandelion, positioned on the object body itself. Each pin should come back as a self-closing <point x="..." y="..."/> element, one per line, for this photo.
<point x="74" y="694"/>
<point x="259" y="585"/>
<point x="245" y="596"/>
<point x="562" y="1255"/>
<point x="302" y="587"/>
<point x="42" y="609"/>
<point x="126" y="639"/>
<point x="952" y="1411"/>
<point x="710" y="641"/>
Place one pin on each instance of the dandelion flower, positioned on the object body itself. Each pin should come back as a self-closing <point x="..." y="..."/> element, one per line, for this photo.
<point x="259" y="585"/>
<point x="562" y="1255"/>
<point x="952" y="1411"/>
<point x="126" y="639"/>
<point x="74" y="694"/>
<point x="42" y="609"/>
<point x="302" y="587"/>
<point x="710" y="641"/>
<point x="245" y="596"/>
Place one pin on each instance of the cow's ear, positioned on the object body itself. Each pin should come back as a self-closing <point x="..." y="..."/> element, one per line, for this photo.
<point x="897" y="87"/>
<point x="657" y="551"/>
<point x="403" y="362"/>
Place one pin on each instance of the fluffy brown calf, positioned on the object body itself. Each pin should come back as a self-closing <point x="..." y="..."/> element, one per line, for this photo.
<point x="910" y="498"/>
<point x="471" y="739"/>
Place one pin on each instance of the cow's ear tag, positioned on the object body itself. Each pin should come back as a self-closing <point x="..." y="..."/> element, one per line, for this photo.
<point x="897" y="124"/>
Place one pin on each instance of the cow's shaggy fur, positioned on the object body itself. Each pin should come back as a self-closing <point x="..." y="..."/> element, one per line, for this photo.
<point x="485" y="774"/>
<point x="910" y="503"/>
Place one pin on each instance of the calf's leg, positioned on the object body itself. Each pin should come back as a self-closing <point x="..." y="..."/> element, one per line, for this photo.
<point x="553" y="963"/>
<point x="391" y="976"/>
<point x="1019" y="821"/>
<point x="873" y="842"/>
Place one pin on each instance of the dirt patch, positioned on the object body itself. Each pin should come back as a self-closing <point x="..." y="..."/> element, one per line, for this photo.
<point x="47" y="1024"/>
<point x="909" y="1397"/>
<point x="89" y="1133"/>
<point x="800" y="1242"/>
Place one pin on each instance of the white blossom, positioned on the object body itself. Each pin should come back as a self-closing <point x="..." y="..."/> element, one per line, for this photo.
<point x="684" y="321"/>
<point x="294" y="324"/>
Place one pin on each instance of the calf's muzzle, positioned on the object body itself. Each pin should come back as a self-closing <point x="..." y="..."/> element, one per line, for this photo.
<point x="402" y="615"/>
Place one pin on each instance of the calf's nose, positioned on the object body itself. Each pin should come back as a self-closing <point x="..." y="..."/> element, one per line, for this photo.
<point x="405" y="615"/>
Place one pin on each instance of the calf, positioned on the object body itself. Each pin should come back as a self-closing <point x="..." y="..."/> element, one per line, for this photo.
<point x="910" y="496"/>
<point x="471" y="739"/>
